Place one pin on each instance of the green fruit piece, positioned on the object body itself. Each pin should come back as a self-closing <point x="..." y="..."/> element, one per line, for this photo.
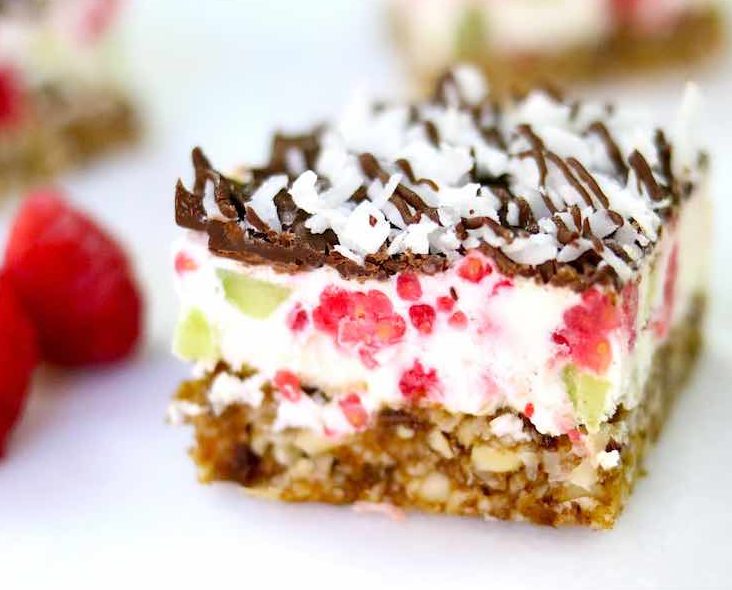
<point x="588" y="394"/>
<point x="470" y="37"/>
<point x="254" y="298"/>
<point x="195" y="339"/>
<point x="651" y="287"/>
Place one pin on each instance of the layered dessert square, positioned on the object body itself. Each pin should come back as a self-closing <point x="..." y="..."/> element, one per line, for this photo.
<point x="460" y="306"/>
<point x="62" y="98"/>
<point x="522" y="42"/>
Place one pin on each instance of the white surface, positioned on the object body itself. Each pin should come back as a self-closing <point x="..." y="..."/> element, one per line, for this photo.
<point x="97" y="489"/>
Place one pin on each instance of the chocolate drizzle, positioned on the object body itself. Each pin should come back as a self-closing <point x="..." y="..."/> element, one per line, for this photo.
<point x="613" y="151"/>
<point x="240" y="232"/>
<point x="645" y="176"/>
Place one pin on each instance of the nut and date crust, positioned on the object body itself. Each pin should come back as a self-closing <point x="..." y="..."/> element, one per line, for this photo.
<point x="430" y="460"/>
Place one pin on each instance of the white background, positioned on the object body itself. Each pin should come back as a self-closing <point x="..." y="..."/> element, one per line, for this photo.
<point x="97" y="490"/>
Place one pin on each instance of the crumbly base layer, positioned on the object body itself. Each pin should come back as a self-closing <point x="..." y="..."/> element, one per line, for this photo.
<point x="430" y="460"/>
<point x="64" y="132"/>
<point x="696" y="37"/>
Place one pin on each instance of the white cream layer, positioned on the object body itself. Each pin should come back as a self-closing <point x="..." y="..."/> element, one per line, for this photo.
<point x="505" y="358"/>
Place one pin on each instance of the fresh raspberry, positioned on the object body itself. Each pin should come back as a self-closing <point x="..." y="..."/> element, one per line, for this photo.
<point x="416" y="383"/>
<point x="184" y="263"/>
<point x="288" y="384"/>
<point x="474" y="269"/>
<point x="529" y="410"/>
<point x="423" y="318"/>
<point x="445" y="304"/>
<point x="18" y="358"/>
<point x="354" y="411"/>
<point x="408" y="287"/>
<point x="11" y="97"/>
<point x="458" y="320"/>
<point x="75" y="281"/>
<point x="297" y="319"/>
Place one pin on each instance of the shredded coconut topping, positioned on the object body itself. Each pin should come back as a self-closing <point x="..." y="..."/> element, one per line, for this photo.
<point x="538" y="181"/>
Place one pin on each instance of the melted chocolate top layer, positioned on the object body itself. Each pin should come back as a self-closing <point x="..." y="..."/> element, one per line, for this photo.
<point x="222" y="205"/>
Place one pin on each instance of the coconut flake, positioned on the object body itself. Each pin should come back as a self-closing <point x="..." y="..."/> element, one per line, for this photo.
<point x="209" y="203"/>
<point x="365" y="230"/>
<point x="445" y="149"/>
<point x="415" y="238"/>
<point x="304" y="193"/>
<point x="262" y="200"/>
<point x="227" y="390"/>
<point x="472" y="86"/>
<point x="533" y="250"/>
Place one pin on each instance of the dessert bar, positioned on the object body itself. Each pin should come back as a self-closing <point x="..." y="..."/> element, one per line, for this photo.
<point x="61" y="97"/>
<point x="461" y="306"/>
<point x="522" y="42"/>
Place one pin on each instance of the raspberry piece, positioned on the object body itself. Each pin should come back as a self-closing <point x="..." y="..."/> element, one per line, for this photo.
<point x="75" y="281"/>
<point x="366" y="354"/>
<point x="574" y="435"/>
<point x="18" y="358"/>
<point x="592" y="352"/>
<point x="416" y="383"/>
<point x="501" y="285"/>
<point x="663" y="322"/>
<point x="559" y="339"/>
<point x="354" y="411"/>
<point x="473" y="269"/>
<point x="390" y="330"/>
<point x="98" y="18"/>
<point x="354" y="331"/>
<point x="184" y="263"/>
<point x="629" y="312"/>
<point x="288" y="384"/>
<point x="445" y="304"/>
<point x="11" y="97"/>
<point x="408" y="287"/>
<point x="363" y="321"/>
<point x="423" y="318"/>
<point x="601" y="309"/>
<point x="335" y="304"/>
<point x="529" y="410"/>
<point x="586" y="328"/>
<point x="458" y="320"/>
<point x="297" y="319"/>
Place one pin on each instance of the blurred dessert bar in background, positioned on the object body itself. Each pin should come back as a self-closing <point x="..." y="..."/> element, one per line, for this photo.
<point x="519" y="43"/>
<point x="458" y="306"/>
<point x="62" y="94"/>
